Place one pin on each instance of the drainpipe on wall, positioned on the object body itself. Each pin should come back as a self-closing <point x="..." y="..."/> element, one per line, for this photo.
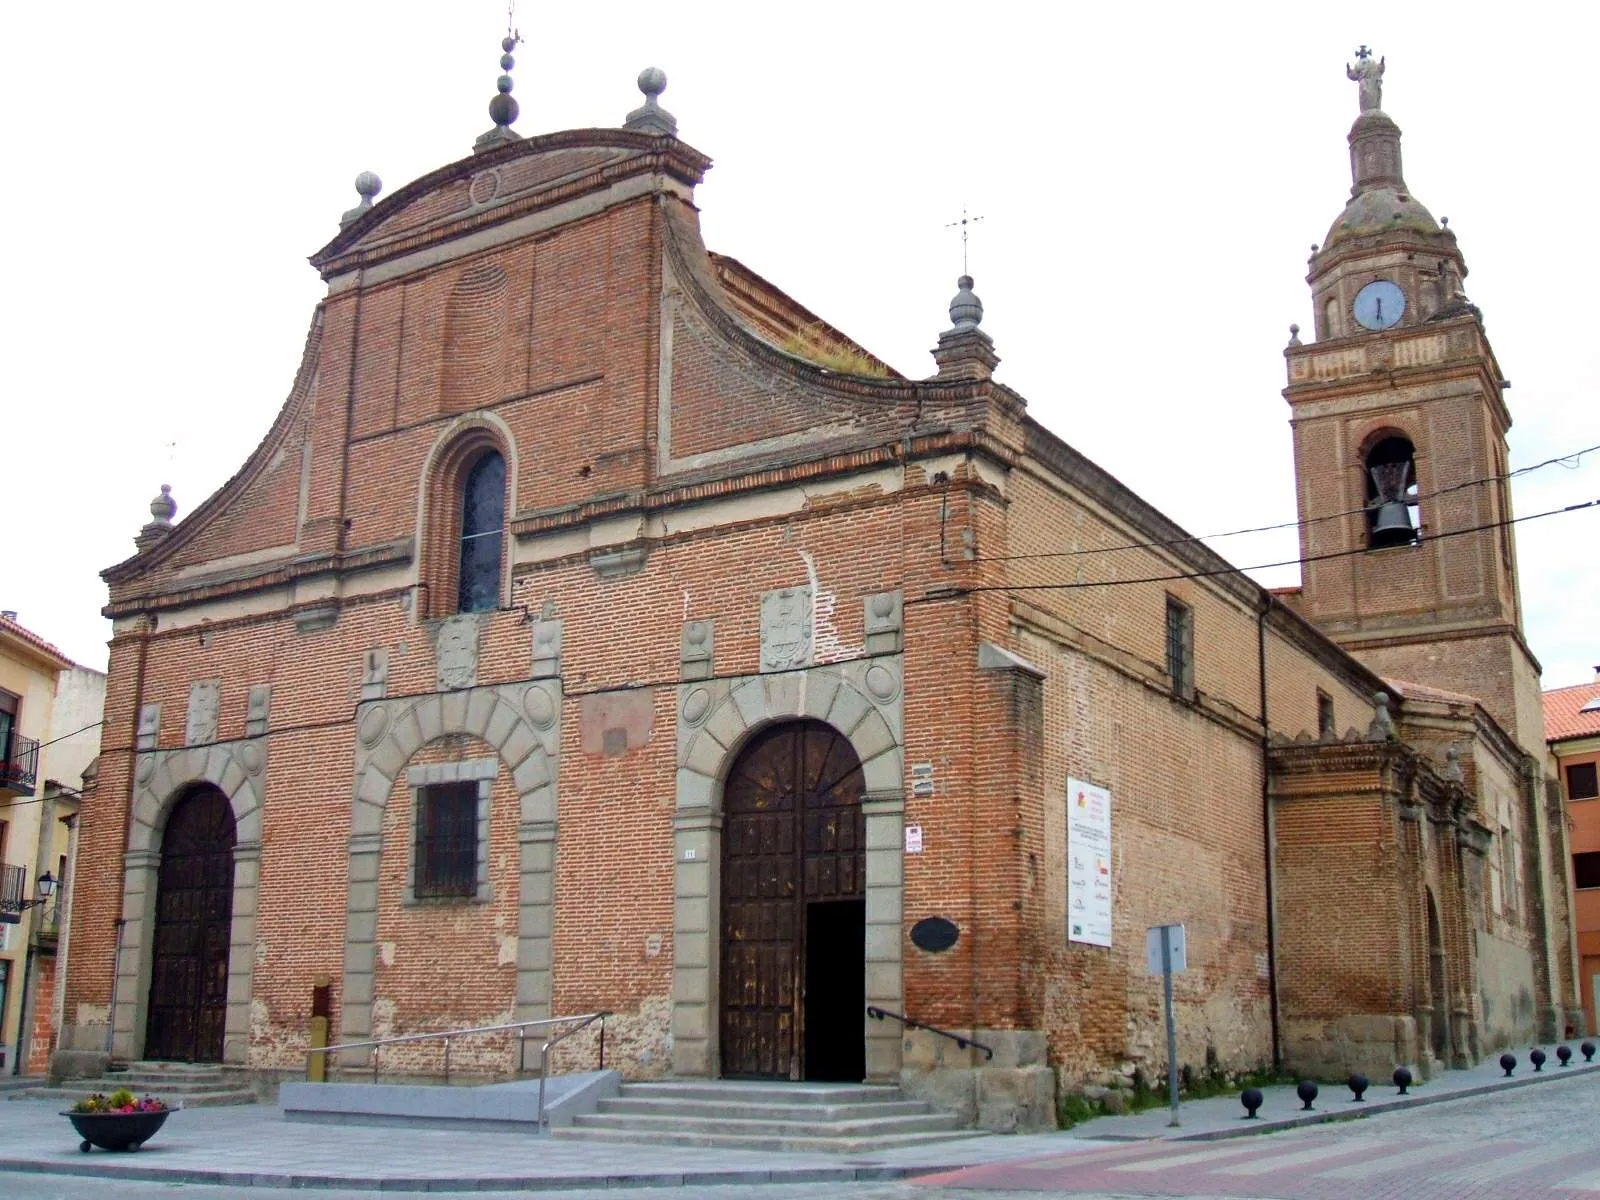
<point x="1266" y="830"/>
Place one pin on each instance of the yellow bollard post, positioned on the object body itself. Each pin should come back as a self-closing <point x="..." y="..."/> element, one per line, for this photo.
<point x="317" y="1064"/>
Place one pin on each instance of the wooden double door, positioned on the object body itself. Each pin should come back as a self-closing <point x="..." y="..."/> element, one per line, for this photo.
<point x="793" y="970"/>
<point x="194" y="921"/>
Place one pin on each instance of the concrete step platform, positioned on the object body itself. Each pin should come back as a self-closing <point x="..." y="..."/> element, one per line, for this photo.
<point x="186" y="1085"/>
<point x="776" y="1116"/>
<point x="630" y="1102"/>
<point x="69" y="1097"/>
<point x="740" y="1092"/>
<point x="797" y="1145"/>
<point x="923" y="1122"/>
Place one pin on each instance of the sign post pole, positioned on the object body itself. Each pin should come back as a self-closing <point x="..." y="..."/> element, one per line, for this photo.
<point x="1172" y="1027"/>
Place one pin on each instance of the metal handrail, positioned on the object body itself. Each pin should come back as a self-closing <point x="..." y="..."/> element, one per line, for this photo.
<point x="584" y="1020"/>
<point x="878" y="1014"/>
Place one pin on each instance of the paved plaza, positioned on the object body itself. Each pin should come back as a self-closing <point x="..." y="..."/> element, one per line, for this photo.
<point x="1534" y="1137"/>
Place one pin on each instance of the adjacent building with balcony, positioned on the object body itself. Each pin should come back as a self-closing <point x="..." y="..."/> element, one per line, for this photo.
<point x="1572" y="726"/>
<point x="49" y="736"/>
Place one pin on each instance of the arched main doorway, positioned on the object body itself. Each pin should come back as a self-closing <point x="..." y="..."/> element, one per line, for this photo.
<point x="794" y="908"/>
<point x="194" y="917"/>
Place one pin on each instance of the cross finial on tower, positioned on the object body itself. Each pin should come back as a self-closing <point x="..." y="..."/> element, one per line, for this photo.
<point x="1363" y="53"/>
<point x="963" y="225"/>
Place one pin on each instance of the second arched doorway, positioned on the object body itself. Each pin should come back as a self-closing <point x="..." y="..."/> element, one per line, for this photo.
<point x="193" y="929"/>
<point x="793" y="933"/>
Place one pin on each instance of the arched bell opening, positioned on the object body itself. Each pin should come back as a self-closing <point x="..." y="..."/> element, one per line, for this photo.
<point x="793" y="944"/>
<point x="1394" y="516"/>
<point x="186" y="1016"/>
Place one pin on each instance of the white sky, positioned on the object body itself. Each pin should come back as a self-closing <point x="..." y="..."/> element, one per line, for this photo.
<point x="1151" y="178"/>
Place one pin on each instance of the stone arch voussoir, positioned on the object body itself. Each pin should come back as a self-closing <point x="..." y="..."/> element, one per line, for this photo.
<point x="239" y="771"/>
<point x="862" y="699"/>
<point x="522" y="723"/>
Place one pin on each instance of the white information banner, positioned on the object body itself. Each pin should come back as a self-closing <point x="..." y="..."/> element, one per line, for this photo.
<point x="1088" y="863"/>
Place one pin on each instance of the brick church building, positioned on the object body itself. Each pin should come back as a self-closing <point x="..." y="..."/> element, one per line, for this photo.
<point x="597" y="628"/>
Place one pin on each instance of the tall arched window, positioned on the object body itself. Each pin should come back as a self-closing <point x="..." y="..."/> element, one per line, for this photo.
<point x="1394" y="517"/>
<point x="483" y="519"/>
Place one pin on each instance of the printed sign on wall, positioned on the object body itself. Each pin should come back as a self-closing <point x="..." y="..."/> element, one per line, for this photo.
<point x="1088" y="863"/>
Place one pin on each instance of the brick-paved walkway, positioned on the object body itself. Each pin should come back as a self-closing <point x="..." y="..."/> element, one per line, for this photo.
<point x="1535" y="1143"/>
<point x="254" y="1147"/>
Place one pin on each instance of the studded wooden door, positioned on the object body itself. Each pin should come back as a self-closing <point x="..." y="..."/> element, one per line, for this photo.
<point x="194" y="917"/>
<point x="793" y="841"/>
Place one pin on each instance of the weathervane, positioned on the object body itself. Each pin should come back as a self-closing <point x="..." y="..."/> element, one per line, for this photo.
<point x="962" y="225"/>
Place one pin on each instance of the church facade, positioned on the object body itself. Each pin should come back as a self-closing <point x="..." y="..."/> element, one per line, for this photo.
<point x="598" y="629"/>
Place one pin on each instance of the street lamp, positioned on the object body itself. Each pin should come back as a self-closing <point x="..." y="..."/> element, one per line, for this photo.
<point x="46" y="885"/>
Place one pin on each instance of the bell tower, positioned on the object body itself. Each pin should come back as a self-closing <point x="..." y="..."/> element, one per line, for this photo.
<point x="1399" y="418"/>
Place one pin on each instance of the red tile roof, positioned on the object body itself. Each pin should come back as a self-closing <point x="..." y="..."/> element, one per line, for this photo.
<point x="1562" y="718"/>
<point x="23" y="634"/>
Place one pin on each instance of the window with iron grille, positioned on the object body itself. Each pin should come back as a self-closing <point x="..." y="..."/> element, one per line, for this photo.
<point x="446" y="858"/>
<point x="1180" y="647"/>
<point x="1582" y="783"/>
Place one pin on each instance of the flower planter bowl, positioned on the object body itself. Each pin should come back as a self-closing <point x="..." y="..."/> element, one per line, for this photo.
<point x="116" y="1131"/>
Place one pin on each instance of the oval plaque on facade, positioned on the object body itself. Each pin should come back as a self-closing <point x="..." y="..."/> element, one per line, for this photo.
<point x="934" y="934"/>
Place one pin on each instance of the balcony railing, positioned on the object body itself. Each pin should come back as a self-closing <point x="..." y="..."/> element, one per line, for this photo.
<point x="19" y="763"/>
<point x="12" y="881"/>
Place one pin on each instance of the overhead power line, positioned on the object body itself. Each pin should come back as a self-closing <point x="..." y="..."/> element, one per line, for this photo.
<point x="1563" y="460"/>
<point x="1288" y="562"/>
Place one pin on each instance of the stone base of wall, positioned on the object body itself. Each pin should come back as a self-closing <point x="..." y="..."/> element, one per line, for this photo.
<point x="1014" y="1092"/>
<point x="80" y="1053"/>
<point x="1373" y="1044"/>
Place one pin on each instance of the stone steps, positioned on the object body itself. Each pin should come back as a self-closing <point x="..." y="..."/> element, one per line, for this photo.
<point x="834" y="1118"/>
<point x="724" y="1109"/>
<point x="181" y="1085"/>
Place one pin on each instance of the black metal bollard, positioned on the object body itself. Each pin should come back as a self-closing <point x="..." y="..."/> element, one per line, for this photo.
<point x="1307" y="1091"/>
<point x="1564" y="1053"/>
<point x="1537" y="1058"/>
<point x="1251" y="1099"/>
<point x="1588" y="1051"/>
<point x="1402" y="1080"/>
<point x="1358" y="1085"/>
<point x="1508" y="1063"/>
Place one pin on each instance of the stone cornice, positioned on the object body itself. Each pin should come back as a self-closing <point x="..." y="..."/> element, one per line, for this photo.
<point x="644" y="154"/>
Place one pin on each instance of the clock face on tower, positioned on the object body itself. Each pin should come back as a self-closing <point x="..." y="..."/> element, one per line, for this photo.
<point x="1379" y="305"/>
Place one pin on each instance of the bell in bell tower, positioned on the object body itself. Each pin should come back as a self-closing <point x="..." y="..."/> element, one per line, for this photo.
<point x="1400" y="423"/>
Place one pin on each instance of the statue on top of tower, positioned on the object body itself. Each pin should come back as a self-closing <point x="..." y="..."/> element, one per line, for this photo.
<point x="1369" y="75"/>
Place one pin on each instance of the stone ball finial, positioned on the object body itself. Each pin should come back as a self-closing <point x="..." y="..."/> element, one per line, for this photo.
<point x="966" y="310"/>
<point x="650" y="117"/>
<point x="1294" y="335"/>
<point x="652" y="82"/>
<point x="503" y="109"/>
<point x="368" y="185"/>
<point x="164" y="507"/>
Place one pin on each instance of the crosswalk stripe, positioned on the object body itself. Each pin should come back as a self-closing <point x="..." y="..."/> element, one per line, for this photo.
<point x="1508" y="1165"/>
<point x="1383" y="1164"/>
<point x="1589" y="1181"/>
<point x="1211" y="1154"/>
<point x="1055" y="1162"/>
<point x="1264" y="1165"/>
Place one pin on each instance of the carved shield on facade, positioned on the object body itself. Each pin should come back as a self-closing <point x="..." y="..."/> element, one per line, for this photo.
<point x="456" y="648"/>
<point x="786" y="634"/>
